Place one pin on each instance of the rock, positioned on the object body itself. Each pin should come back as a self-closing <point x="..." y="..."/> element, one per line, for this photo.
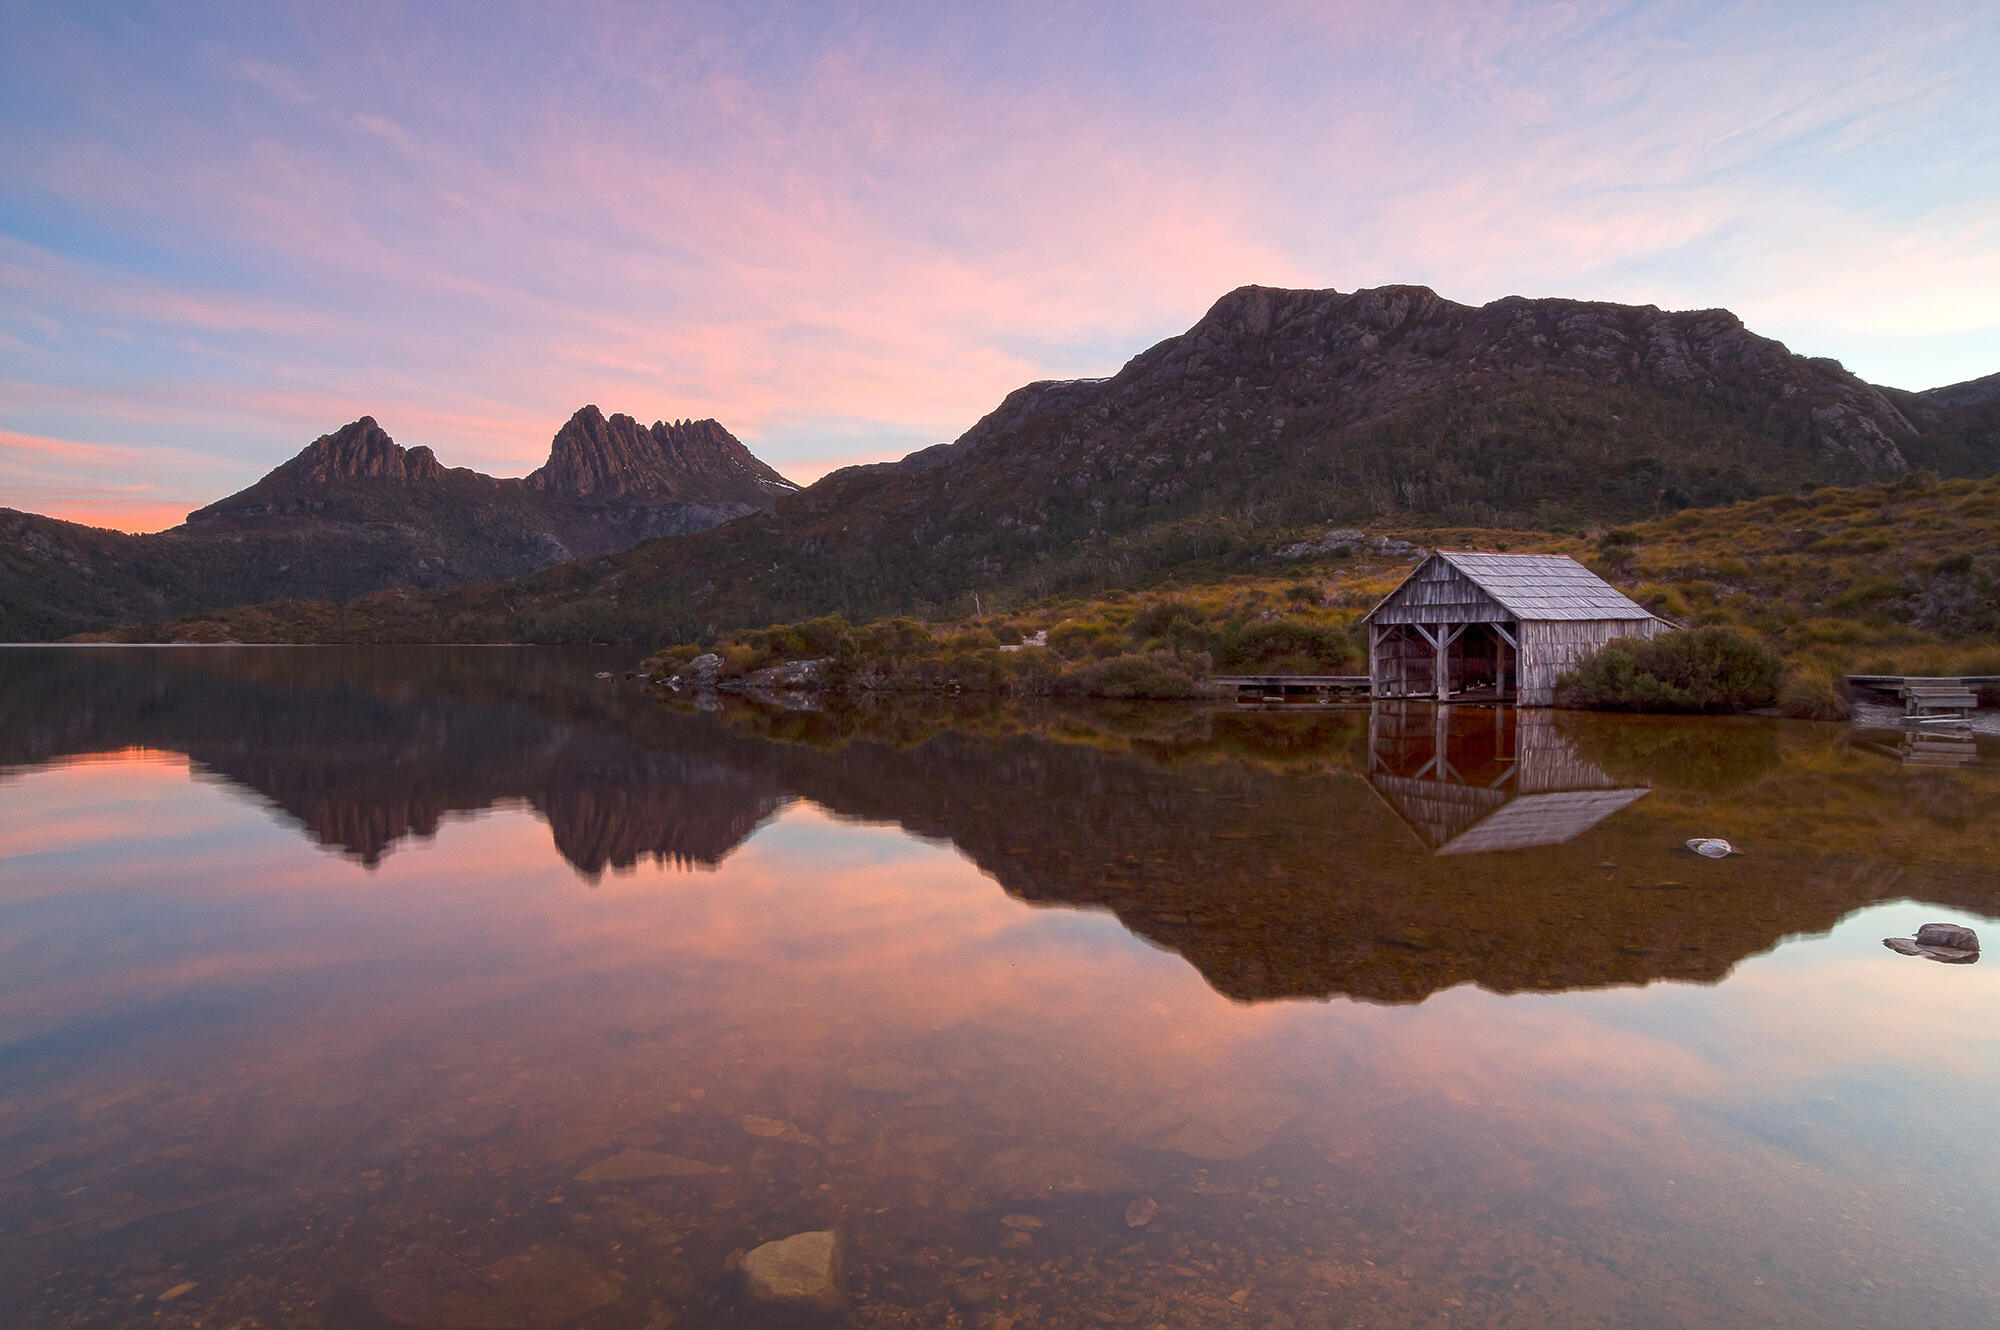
<point x="1215" y="1124"/>
<point x="799" y="1273"/>
<point x="1953" y="944"/>
<point x="772" y="1129"/>
<point x="1044" y="1173"/>
<point x="704" y="668"/>
<point x="428" y="1290"/>
<point x="891" y="1078"/>
<point x="846" y="1128"/>
<point x="1021" y="1223"/>
<point x="553" y="1283"/>
<point x="1140" y="1213"/>
<point x="1709" y="847"/>
<point x="177" y="1291"/>
<point x="1956" y="936"/>
<point x="644" y="1165"/>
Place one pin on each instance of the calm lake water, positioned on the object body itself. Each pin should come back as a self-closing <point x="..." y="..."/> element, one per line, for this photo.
<point x="337" y="985"/>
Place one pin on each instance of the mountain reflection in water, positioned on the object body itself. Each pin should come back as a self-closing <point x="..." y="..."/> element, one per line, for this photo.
<point x="375" y="1086"/>
<point x="1282" y="855"/>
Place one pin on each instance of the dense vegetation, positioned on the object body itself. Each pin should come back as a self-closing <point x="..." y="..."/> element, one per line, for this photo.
<point x="1698" y="670"/>
<point x="1891" y="578"/>
<point x="1896" y="578"/>
<point x="1117" y="645"/>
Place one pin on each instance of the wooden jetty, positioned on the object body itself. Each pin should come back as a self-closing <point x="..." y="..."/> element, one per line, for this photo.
<point x="1294" y="688"/>
<point x="1926" y="697"/>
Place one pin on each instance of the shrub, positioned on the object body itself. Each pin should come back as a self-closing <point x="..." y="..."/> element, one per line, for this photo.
<point x="1706" y="670"/>
<point x="1293" y="644"/>
<point x="1072" y="639"/>
<point x="1156" y="619"/>
<point x="1134" y="676"/>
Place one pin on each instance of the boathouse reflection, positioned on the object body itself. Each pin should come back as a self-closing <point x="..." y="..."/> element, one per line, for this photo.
<point x="1469" y="779"/>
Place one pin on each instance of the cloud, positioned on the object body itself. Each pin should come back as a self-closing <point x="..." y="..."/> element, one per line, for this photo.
<point x="839" y="234"/>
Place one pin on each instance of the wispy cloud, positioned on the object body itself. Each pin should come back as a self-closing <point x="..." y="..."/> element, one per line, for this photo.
<point x="882" y="222"/>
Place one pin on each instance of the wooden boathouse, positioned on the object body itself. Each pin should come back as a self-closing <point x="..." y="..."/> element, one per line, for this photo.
<point x="1469" y="626"/>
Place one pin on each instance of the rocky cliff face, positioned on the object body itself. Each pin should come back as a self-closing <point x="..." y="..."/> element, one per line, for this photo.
<point x="600" y="459"/>
<point x="307" y="483"/>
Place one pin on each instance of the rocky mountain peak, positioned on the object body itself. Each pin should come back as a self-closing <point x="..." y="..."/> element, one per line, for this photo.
<point x="323" y="469"/>
<point x="600" y="458"/>
<point x="363" y="448"/>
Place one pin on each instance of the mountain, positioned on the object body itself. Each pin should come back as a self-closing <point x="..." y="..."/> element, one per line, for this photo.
<point x="355" y="512"/>
<point x="1973" y="392"/>
<point x="1279" y="411"/>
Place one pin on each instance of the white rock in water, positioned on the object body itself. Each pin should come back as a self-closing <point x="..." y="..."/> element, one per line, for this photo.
<point x="1711" y="848"/>
<point x="800" y="1273"/>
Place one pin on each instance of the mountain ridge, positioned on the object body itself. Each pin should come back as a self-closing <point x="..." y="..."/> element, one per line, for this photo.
<point x="1278" y="410"/>
<point x="355" y="512"/>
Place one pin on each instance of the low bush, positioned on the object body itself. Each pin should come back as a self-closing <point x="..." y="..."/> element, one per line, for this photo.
<point x="1705" y="670"/>
<point x="1133" y="676"/>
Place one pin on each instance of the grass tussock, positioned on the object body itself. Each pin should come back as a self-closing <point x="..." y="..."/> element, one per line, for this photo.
<point x="1812" y="691"/>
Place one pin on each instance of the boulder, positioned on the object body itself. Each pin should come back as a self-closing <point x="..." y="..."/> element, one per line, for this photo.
<point x="1953" y="944"/>
<point x="1956" y="936"/>
<point x="797" y="1274"/>
<point x="703" y="669"/>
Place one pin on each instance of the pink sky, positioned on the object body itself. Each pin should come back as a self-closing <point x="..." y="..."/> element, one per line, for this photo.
<point x="846" y="237"/>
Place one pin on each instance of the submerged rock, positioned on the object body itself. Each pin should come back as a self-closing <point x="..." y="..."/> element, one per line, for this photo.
<point x="552" y="1284"/>
<point x="1953" y="944"/>
<point x="427" y="1290"/>
<point x="891" y="1078"/>
<point x="775" y="1129"/>
<point x="1711" y="847"/>
<point x="800" y="1273"/>
<point x="645" y="1165"/>
<point x="1044" y="1173"/>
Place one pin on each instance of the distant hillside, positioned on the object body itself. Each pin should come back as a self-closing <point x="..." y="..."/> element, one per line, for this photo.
<point x="355" y="512"/>
<point x="1278" y="411"/>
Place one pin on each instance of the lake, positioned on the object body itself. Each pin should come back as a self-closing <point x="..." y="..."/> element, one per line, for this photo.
<point x="462" y="988"/>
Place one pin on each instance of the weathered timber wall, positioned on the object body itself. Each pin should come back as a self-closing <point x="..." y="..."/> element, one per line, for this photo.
<point x="1440" y="594"/>
<point x="1551" y="646"/>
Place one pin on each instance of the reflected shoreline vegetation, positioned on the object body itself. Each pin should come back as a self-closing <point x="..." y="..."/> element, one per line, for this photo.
<point x="458" y="987"/>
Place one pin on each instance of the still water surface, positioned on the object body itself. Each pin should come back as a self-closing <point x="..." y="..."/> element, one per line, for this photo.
<point x="334" y="984"/>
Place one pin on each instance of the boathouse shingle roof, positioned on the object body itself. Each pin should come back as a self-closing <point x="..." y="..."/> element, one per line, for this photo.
<point x="1544" y="586"/>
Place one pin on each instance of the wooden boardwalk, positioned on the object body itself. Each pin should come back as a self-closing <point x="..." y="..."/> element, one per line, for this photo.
<point x="1293" y="687"/>
<point x="1925" y="696"/>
